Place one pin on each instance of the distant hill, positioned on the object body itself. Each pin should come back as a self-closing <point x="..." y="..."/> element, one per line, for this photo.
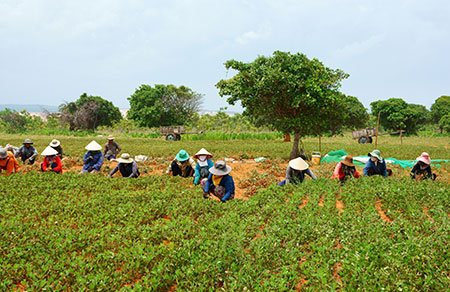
<point x="36" y="108"/>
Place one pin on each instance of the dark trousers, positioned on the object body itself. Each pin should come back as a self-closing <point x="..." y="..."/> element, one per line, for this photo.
<point x="176" y="170"/>
<point x="373" y="172"/>
<point x="30" y="161"/>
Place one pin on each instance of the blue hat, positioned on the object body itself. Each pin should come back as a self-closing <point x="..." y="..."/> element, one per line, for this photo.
<point x="182" y="156"/>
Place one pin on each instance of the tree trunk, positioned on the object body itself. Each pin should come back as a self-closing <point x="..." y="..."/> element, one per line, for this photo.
<point x="295" y="152"/>
<point x="440" y="129"/>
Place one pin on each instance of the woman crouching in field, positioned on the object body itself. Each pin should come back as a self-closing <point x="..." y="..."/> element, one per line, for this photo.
<point x="345" y="169"/>
<point x="203" y="165"/>
<point x="93" y="159"/>
<point x="219" y="182"/>
<point x="127" y="167"/>
<point x="422" y="169"/>
<point x="51" y="162"/>
<point x="296" y="171"/>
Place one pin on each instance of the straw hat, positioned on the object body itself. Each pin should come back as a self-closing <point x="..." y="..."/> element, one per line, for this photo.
<point x="93" y="146"/>
<point x="49" y="151"/>
<point x="55" y="143"/>
<point x="125" y="158"/>
<point x="27" y="141"/>
<point x="202" y="152"/>
<point x="298" y="164"/>
<point x="182" y="156"/>
<point x="220" y="168"/>
<point x="3" y="153"/>
<point x="425" y="158"/>
<point x="376" y="153"/>
<point x="348" y="161"/>
<point x="110" y="137"/>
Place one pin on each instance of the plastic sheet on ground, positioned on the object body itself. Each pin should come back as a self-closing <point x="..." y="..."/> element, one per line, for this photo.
<point x="336" y="156"/>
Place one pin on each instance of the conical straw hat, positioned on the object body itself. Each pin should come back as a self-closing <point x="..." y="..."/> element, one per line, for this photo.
<point x="93" y="146"/>
<point x="202" y="152"/>
<point x="298" y="164"/>
<point x="49" y="151"/>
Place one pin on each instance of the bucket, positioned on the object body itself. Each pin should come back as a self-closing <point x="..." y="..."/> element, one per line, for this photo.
<point x="315" y="158"/>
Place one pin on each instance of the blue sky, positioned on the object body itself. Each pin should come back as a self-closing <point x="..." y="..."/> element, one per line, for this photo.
<point x="53" y="51"/>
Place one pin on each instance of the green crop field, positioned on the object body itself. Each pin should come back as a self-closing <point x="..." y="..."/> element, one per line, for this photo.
<point x="156" y="233"/>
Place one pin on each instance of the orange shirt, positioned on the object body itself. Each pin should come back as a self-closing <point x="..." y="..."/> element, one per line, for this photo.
<point x="9" y="164"/>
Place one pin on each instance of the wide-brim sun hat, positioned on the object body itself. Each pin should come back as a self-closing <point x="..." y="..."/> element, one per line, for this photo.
<point x="55" y="143"/>
<point x="49" y="151"/>
<point x="125" y="158"/>
<point x="425" y="158"/>
<point x="110" y="137"/>
<point x="375" y="153"/>
<point x="298" y="164"/>
<point x="182" y="156"/>
<point x="3" y="153"/>
<point x="93" y="146"/>
<point x="202" y="151"/>
<point x="348" y="160"/>
<point x="220" y="168"/>
<point x="27" y="141"/>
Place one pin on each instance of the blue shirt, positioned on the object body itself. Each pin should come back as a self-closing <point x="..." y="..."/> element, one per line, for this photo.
<point x="94" y="164"/>
<point x="227" y="182"/>
<point x="197" y="170"/>
<point x="379" y="169"/>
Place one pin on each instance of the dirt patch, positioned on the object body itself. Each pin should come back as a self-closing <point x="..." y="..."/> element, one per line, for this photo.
<point x="425" y="210"/>
<point x="382" y="214"/>
<point x="320" y="203"/>
<point x="339" y="204"/>
<point x="304" y="202"/>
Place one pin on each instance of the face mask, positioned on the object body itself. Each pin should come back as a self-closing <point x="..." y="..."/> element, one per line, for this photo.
<point x="374" y="159"/>
<point x="202" y="157"/>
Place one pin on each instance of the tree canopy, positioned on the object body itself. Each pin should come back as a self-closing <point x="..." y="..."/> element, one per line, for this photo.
<point x="289" y="92"/>
<point x="439" y="109"/>
<point x="163" y="105"/>
<point x="397" y="114"/>
<point x="88" y="112"/>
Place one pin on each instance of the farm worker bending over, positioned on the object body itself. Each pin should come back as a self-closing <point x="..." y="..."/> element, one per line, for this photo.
<point x="55" y="144"/>
<point x="422" y="169"/>
<point x="203" y="165"/>
<point x="219" y="182"/>
<point x="345" y="169"/>
<point x="376" y="165"/>
<point x="8" y="162"/>
<point x="93" y="159"/>
<point x="127" y="166"/>
<point x="296" y="170"/>
<point x="182" y="165"/>
<point x="27" y="152"/>
<point x="112" y="149"/>
<point x="51" y="162"/>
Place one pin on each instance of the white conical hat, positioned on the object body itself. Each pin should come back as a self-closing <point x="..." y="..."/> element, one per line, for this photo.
<point x="93" y="146"/>
<point x="298" y="164"/>
<point x="49" y="151"/>
<point x="202" y="152"/>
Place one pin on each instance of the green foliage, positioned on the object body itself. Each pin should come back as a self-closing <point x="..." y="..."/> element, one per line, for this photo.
<point x="15" y="122"/>
<point x="397" y="114"/>
<point x="444" y="122"/>
<point x="439" y="109"/>
<point x="289" y="92"/>
<point x="224" y="122"/>
<point x="163" y="105"/>
<point x="89" y="112"/>
<point x="353" y="115"/>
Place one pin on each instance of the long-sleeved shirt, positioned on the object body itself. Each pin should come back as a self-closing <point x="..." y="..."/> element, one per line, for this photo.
<point x="93" y="164"/>
<point x="227" y="182"/>
<point x="48" y="161"/>
<point x="340" y="174"/>
<point x="9" y="164"/>
<point x="198" y="168"/>
<point x="417" y="171"/>
<point x="293" y="176"/>
<point x="126" y="169"/>
<point x="111" y="149"/>
<point x="379" y="168"/>
<point x="183" y="165"/>
<point x="24" y="153"/>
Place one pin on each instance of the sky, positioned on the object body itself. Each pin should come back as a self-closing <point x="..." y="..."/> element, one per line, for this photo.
<point x="51" y="51"/>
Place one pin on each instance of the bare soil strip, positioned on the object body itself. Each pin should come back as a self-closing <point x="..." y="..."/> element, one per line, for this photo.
<point x="382" y="214"/>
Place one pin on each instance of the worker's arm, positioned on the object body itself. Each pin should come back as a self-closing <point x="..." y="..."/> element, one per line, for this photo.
<point x="114" y="170"/>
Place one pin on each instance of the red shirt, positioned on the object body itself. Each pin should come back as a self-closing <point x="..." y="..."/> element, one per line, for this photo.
<point x="49" y="160"/>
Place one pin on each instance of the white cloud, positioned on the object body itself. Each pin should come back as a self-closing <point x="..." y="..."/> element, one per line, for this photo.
<point x="263" y="33"/>
<point x="359" y="47"/>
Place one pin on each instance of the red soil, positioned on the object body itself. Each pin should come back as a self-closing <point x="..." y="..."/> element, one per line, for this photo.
<point x="382" y="214"/>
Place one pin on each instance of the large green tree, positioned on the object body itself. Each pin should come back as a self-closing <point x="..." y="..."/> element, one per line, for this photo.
<point x="439" y="109"/>
<point x="397" y="114"/>
<point x="88" y="112"/>
<point x="163" y="105"/>
<point x="353" y="115"/>
<point x="289" y="92"/>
